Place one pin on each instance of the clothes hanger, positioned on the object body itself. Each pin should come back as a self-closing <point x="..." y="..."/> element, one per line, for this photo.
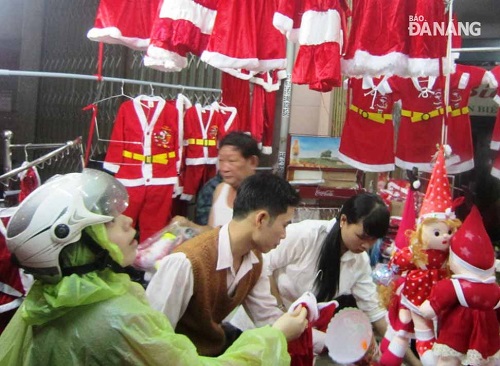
<point x="122" y="94"/>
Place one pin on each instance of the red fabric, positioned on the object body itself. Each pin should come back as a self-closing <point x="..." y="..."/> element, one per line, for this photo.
<point x="495" y="138"/>
<point x="150" y="207"/>
<point x="467" y="328"/>
<point x="9" y="274"/>
<point x="263" y="112"/>
<point x="30" y="180"/>
<point x="134" y="20"/>
<point x="366" y="144"/>
<point x="236" y="93"/>
<point x="243" y="37"/>
<point x="417" y="140"/>
<point x="195" y="176"/>
<point x="419" y="282"/>
<point x="183" y="32"/>
<point x="459" y="134"/>
<point x="148" y="132"/>
<point x="408" y="221"/>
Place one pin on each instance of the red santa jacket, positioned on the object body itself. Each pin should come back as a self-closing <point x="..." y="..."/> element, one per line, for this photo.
<point x="203" y="128"/>
<point x="143" y="148"/>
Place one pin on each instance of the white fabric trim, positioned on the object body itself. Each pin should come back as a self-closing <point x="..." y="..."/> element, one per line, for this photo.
<point x="282" y="23"/>
<point x="186" y="197"/>
<point x="461" y="167"/>
<point x="496" y="99"/>
<point x="10" y="305"/>
<point x="469" y="267"/>
<point x="9" y="290"/>
<point x="201" y="161"/>
<point x="113" y="35"/>
<point x="464" y="80"/>
<point x="363" y="63"/>
<point x="495" y="172"/>
<point x="113" y="168"/>
<point x="164" y="59"/>
<point x="325" y="27"/>
<point x="459" y="292"/>
<point x="494" y="145"/>
<point x="202" y="17"/>
<point x="365" y="167"/>
<point x="152" y="181"/>
<point x="267" y="150"/>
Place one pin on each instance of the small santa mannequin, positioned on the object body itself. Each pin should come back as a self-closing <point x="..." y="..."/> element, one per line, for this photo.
<point x="425" y="263"/>
<point x="466" y="304"/>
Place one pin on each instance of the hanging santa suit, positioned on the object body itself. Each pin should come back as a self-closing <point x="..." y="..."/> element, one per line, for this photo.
<point x="321" y="38"/>
<point x="182" y="26"/>
<point x="143" y="153"/>
<point x="264" y="107"/>
<point x="236" y="93"/>
<point x="288" y="17"/>
<point x="420" y="129"/>
<point x="426" y="46"/>
<point x="495" y="84"/>
<point x="128" y="23"/>
<point x="459" y="133"/>
<point x="30" y="180"/>
<point x="203" y="128"/>
<point x="244" y="37"/>
<point x="377" y="43"/>
<point x="367" y="141"/>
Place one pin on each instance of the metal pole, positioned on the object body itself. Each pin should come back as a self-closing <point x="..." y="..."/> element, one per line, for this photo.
<point x="4" y="72"/>
<point x="5" y="157"/>
<point x="285" y="111"/>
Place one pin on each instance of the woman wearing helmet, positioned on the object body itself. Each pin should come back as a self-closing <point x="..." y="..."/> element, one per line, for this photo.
<point x="70" y="234"/>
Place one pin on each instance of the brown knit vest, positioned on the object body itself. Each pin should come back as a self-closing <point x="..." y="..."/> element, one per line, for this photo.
<point x="210" y="303"/>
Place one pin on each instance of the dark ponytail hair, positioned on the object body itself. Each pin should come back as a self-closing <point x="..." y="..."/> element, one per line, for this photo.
<point x="366" y="207"/>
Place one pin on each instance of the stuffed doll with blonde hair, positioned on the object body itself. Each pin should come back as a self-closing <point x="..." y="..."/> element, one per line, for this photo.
<point x="424" y="263"/>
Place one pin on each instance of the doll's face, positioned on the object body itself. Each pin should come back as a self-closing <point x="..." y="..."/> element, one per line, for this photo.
<point x="437" y="235"/>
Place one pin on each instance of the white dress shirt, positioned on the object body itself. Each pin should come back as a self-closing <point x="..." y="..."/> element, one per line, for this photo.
<point x="171" y="287"/>
<point x="293" y="264"/>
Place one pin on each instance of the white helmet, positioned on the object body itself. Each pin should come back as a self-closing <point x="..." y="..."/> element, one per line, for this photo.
<point x="54" y="215"/>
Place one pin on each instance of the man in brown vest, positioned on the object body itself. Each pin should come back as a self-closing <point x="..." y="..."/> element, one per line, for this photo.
<point x="207" y="277"/>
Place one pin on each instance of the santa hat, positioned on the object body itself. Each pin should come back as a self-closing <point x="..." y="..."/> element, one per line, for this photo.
<point x="471" y="246"/>
<point x="407" y="222"/>
<point x="437" y="200"/>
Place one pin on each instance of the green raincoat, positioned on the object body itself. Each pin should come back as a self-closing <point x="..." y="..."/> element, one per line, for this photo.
<point x="103" y="318"/>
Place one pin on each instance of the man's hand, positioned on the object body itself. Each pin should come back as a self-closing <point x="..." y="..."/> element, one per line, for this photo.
<point x="292" y="324"/>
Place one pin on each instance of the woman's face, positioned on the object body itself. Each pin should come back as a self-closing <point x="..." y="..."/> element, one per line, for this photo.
<point x="354" y="237"/>
<point x="121" y="232"/>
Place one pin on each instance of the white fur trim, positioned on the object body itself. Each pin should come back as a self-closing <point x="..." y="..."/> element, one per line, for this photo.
<point x="113" y="168"/>
<point x="186" y="197"/>
<point x="202" y="17"/>
<point x="152" y="181"/>
<point x="113" y="35"/>
<point x="483" y="273"/>
<point x="363" y="63"/>
<point x="282" y="23"/>
<point x="163" y="59"/>
<point x="460" y="167"/>
<point x="495" y="145"/>
<point x="496" y="99"/>
<point x="365" y="167"/>
<point x="201" y="161"/>
<point x="267" y="150"/>
<point x="220" y="61"/>
<point x="423" y="67"/>
<point x="322" y="27"/>
<point x="293" y="35"/>
<point x="464" y="80"/>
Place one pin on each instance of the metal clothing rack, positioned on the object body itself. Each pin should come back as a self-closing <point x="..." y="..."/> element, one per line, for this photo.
<point x="5" y="72"/>
<point x="60" y="150"/>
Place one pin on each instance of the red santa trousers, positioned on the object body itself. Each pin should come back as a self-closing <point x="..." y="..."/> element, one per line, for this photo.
<point x="321" y="36"/>
<point x="367" y="141"/>
<point x="263" y="112"/>
<point x="127" y="23"/>
<point x="182" y="26"/>
<point x="236" y="93"/>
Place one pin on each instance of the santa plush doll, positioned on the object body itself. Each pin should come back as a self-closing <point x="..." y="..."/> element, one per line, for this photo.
<point x="466" y="304"/>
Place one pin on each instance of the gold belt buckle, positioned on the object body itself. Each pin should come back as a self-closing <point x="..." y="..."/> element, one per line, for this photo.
<point x="364" y="114"/>
<point x="148" y="159"/>
<point x="426" y="116"/>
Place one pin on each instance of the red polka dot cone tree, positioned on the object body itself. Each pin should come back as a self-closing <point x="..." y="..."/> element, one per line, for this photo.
<point x="425" y="263"/>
